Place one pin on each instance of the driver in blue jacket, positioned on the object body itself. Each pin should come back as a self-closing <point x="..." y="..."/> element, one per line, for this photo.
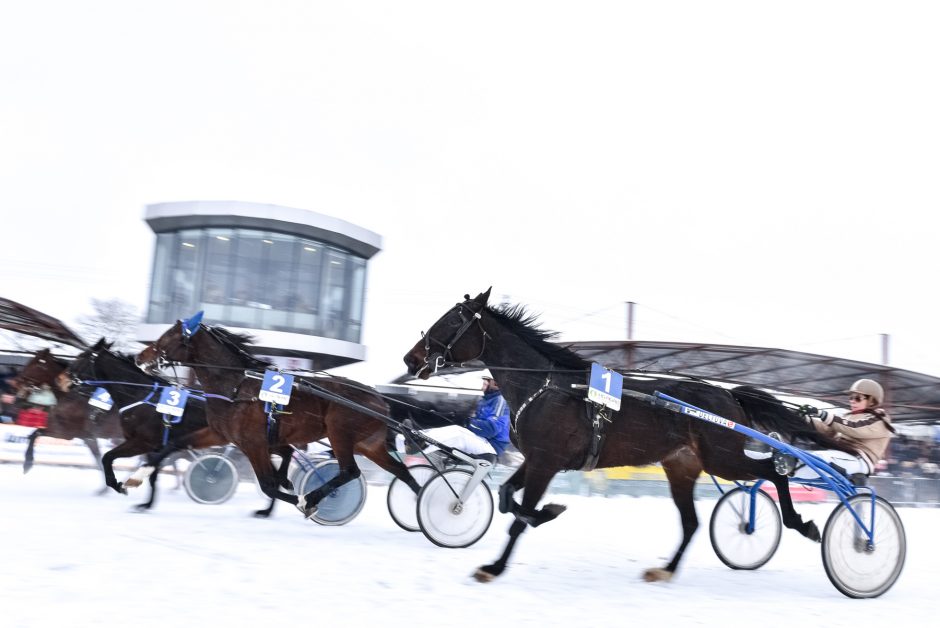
<point x="487" y="433"/>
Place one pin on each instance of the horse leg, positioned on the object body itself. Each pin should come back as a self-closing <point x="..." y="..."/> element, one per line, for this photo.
<point x="154" y="462"/>
<point x="283" y="481"/>
<point x="285" y="454"/>
<point x="124" y="450"/>
<point x="92" y="444"/>
<point x="260" y="458"/>
<point x="536" y="482"/>
<point x="682" y="470"/>
<point x="31" y="444"/>
<point x="791" y="518"/>
<point x="375" y="449"/>
<point x="509" y="488"/>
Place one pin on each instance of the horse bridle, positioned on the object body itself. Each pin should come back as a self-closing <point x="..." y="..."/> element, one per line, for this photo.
<point x="30" y="385"/>
<point x="439" y="360"/>
<point x="161" y="360"/>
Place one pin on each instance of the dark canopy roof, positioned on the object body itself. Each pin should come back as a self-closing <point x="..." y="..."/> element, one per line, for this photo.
<point x="911" y="397"/>
<point x="25" y="320"/>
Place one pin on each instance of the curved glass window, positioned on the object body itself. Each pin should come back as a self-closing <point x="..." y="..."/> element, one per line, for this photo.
<point x="259" y="280"/>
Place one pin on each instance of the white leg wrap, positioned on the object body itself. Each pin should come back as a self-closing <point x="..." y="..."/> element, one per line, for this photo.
<point x="139" y="476"/>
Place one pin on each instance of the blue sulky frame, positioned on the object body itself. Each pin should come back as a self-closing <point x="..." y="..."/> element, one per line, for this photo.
<point x="829" y="478"/>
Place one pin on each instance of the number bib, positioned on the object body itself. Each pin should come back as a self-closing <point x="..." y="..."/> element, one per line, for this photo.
<point x="101" y="398"/>
<point x="276" y="387"/>
<point x="605" y="387"/>
<point x="172" y="400"/>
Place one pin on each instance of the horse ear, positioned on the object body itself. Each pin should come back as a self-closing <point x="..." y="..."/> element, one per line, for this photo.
<point x="483" y="297"/>
<point x="191" y="325"/>
<point x="101" y="344"/>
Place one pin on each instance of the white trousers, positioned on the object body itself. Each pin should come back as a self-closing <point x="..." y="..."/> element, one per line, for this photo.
<point x="851" y="464"/>
<point x="457" y="437"/>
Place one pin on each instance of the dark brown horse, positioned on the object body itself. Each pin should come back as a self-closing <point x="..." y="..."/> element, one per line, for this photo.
<point x="220" y="360"/>
<point x="552" y="423"/>
<point x="135" y="395"/>
<point x="69" y="418"/>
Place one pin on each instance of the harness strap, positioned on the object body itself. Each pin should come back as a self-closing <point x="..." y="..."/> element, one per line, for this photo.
<point x="532" y="397"/>
<point x="146" y="400"/>
<point x="598" y="435"/>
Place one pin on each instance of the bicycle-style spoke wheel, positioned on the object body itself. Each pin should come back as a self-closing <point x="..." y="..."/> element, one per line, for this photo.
<point x="211" y="479"/>
<point x="855" y="567"/>
<point x="737" y="544"/>
<point x="343" y="503"/>
<point x="403" y="502"/>
<point x="447" y="521"/>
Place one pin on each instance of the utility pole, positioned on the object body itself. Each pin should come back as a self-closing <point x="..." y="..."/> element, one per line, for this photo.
<point x="630" y="307"/>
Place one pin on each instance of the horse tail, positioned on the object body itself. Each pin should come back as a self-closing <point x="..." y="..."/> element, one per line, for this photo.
<point x="768" y="414"/>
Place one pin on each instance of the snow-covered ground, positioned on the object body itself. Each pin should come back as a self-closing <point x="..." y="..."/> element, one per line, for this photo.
<point x="71" y="558"/>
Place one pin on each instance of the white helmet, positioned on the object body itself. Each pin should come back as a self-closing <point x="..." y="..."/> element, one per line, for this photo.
<point x="869" y="387"/>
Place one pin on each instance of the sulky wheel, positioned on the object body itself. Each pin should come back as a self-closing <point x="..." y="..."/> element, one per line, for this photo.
<point x="857" y="568"/>
<point x="737" y="544"/>
<point x="402" y="502"/>
<point x="211" y="479"/>
<point x="444" y="520"/>
<point x="342" y="504"/>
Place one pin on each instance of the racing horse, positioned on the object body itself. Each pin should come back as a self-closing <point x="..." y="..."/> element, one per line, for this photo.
<point x="145" y="432"/>
<point x="339" y="409"/>
<point x="69" y="418"/>
<point x="553" y="426"/>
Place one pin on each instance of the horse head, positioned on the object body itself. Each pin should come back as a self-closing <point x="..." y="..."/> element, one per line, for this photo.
<point x="42" y="369"/>
<point x="456" y="337"/>
<point x="83" y="366"/>
<point x="172" y="346"/>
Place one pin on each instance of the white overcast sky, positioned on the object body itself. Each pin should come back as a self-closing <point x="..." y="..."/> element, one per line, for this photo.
<point x="757" y="173"/>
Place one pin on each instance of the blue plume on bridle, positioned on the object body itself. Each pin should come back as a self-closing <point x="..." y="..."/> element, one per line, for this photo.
<point x="191" y="325"/>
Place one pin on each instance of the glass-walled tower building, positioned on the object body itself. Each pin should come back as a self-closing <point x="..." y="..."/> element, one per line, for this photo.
<point x="292" y="278"/>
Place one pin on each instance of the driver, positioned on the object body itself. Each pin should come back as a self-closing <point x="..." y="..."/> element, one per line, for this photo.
<point x="866" y="428"/>
<point x="487" y="433"/>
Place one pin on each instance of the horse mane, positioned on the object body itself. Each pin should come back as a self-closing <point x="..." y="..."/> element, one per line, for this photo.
<point x="525" y="325"/>
<point x="238" y="344"/>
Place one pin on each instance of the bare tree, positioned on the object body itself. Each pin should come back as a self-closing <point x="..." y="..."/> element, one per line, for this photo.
<point x="113" y="319"/>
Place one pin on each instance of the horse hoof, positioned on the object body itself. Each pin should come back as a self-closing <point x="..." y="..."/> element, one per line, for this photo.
<point x="657" y="575"/>
<point x="308" y="511"/>
<point x="483" y="576"/>
<point x="263" y="514"/>
<point x="812" y="532"/>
